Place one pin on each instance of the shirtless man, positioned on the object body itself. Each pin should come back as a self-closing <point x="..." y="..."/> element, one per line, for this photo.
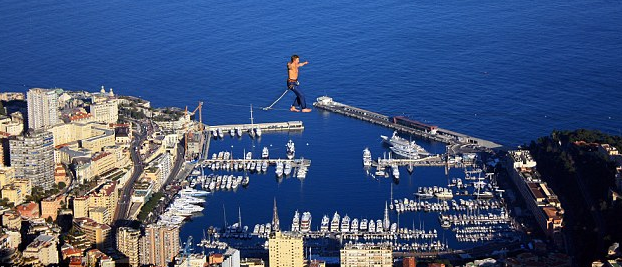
<point x="293" y="84"/>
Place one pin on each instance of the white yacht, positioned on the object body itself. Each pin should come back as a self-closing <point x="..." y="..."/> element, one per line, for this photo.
<point x="444" y="194"/>
<point x="238" y="131"/>
<point x="279" y="169"/>
<point x="355" y="225"/>
<point x="296" y="222"/>
<point x="291" y="149"/>
<point x="334" y="223"/>
<point x="380" y="172"/>
<point x="324" y="227"/>
<point x="345" y="224"/>
<point x="363" y="226"/>
<point x="403" y="147"/>
<point x="249" y="155"/>
<point x="302" y="172"/>
<point x="264" y="166"/>
<point x="366" y="157"/>
<point x="372" y="226"/>
<point x="258" y="131"/>
<point x="305" y="223"/>
<point x="396" y="171"/>
<point x="265" y="152"/>
<point x="193" y="192"/>
<point x="288" y="169"/>
<point x="220" y="133"/>
<point x="232" y="132"/>
<point x="378" y="226"/>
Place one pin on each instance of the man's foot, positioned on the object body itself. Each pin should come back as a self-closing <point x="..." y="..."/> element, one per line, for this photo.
<point x="306" y="110"/>
<point x="294" y="109"/>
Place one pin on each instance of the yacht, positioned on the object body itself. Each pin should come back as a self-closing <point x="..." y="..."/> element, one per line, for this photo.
<point x="296" y="222"/>
<point x="355" y="225"/>
<point x="363" y="226"/>
<point x="265" y="153"/>
<point x="305" y="223"/>
<point x="249" y="155"/>
<point x="220" y="133"/>
<point x="232" y="132"/>
<point x="403" y="147"/>
<point x="238" y="131"/>
<point x="372" y="226"/>
<point x="380" y="172"/>
<point x="245" y="180"/>
<point x="325" y="224"/>
<point x="396" y="171"/>
<point x="334" y="223"/>
<point x="291" y="149"/>
<point x="288" y="169"/>
<point x="345" y="224"/>
<point x="366" y="158"/>
<point x="279" y="168"/>
<point x="258" y="131"/>
<point x="378" y="226"/>
<point x="302" y="172"/>
<point x="424" y="193"/>
<point x="193" y="192"/>
<point x="444" y="194"/>
<point x="258" y="167"/>
<point x="264" y="166"/>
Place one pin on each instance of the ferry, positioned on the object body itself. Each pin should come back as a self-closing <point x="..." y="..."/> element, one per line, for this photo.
<point x="265" y="152"/>
<point x="334" y="224"/>
<point x="291" y="149"/>
<point x="324" y="227"/>
<point x="296" y="222"/>
<point x="305" y="223"/>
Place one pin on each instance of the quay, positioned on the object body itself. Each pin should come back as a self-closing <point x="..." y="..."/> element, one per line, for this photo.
<point x="295" y="163"/>
<point x="411" y="127"/>
<point x="265" y="127"/>
<point x="430" y="161"/>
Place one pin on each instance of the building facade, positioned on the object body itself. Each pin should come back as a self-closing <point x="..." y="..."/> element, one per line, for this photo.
<point x="32" y="156"/>
<point x="159" y="245"/>
<point x="363" y="255"/>
<point x="42" y="108"/>
<point x="128" y="244"/>
<point x="285" y="250"/>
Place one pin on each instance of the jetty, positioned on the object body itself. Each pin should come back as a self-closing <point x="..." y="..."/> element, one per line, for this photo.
<point x="404" y="125"/>
<point x="265" y="127"/>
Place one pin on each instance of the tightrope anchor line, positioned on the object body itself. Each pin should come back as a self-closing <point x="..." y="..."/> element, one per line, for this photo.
<point x="275" y="101"/>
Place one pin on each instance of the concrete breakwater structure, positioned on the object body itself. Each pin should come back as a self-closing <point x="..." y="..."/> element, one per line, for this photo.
<point x="266" y="127"/>
<point x="405" y="125"/>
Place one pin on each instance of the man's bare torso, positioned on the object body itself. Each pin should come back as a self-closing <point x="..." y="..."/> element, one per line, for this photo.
<point x="292" y="70"/>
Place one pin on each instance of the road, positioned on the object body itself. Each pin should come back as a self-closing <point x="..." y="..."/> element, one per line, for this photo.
<point x="125" y="197"/>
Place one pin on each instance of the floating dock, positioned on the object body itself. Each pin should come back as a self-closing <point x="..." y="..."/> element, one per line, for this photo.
<point x="295" y="163"/>
<point x="430" y="161"/>
<point x="438" y="134"/>
<point x="265" y="127"/>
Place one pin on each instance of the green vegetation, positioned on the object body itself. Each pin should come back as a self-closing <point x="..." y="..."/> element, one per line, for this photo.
<point x="2" y="110"/>
<point x="62" y="185"/>
<point x="592" y="222"/>
<point x="149" y="206"/>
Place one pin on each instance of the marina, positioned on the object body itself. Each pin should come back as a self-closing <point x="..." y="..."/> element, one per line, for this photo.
<point x="253" y="129"/>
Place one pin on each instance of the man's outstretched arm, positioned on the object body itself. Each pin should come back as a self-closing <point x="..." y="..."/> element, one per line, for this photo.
<point x="303" y="63"/>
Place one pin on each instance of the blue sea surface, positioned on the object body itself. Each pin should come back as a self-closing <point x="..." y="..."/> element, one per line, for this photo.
<point x="507" y="71"/>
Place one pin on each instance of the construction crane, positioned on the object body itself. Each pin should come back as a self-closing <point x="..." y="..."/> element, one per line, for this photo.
<point x="186" y="252"/>
<point x="199" y="128"/>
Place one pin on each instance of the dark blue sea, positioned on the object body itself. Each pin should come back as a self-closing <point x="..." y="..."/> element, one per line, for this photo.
<point x="508" y="71"/>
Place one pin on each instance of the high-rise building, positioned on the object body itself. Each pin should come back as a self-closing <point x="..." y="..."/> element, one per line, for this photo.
<point x="285" y="249"/>
<point x="96" y="233"/>
<point x="32" y="156"/>
<point x="42" y="108"/>
<point x="364" y="255"/>
<point x="159" y="245"/>
<point x="127" y="243"/>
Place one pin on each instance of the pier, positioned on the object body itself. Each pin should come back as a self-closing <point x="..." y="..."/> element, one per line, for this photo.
<point x="295" y="163"/>
<point x="265" y="127"/>
<point x="430" y="161"/>
<point x="436" y="134"/>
